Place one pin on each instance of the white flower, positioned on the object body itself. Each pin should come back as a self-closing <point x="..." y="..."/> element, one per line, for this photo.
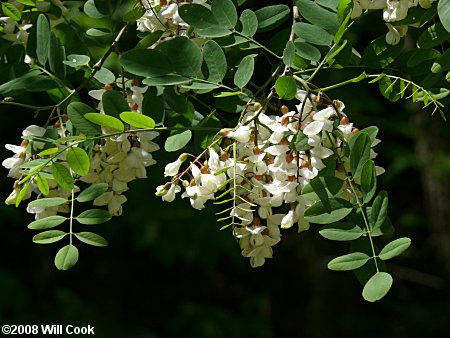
<point x="288" y="220"/>
<point x="172" y="168"/>
<point x="241" y="134"/>
<point x="395" y="33"/>
<point x="170" y="195"/>
<point x="395" y="10"/>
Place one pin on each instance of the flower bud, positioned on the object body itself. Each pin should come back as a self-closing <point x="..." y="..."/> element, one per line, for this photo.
<point x="284" y="110"/>
<point x="345" y="120"/>
<point x="183" y="157"/>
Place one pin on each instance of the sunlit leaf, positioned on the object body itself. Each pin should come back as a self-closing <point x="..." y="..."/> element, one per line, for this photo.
<point x="78" y="160"/>
<point x="49" y="236"/>
<point x="91" y="238"/>
<point x="377" y="286"/>
<point x="395" y="248"/>
<point x="47" y="222"/>
<point x="351" y="261"/>
<point x="105" y="121"/>
<point x="66" y="257"/>
<point x="94" y="216"/>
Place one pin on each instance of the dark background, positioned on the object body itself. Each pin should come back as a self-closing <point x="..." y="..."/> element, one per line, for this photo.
<point x="169" y="272"/>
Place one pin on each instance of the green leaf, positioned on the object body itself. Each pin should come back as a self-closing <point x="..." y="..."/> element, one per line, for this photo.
<point x="184" y="55"/>
<point x="47" y="222"/>
<point x="214" y="32"/>
<point x="224" y="12"/>
<point x="66" y="257"/>
<point x="394" y="248"/>
<point x="341" y="231"/>
<point x="351" y="261"/>
<point x="271" y="16"/>
<point x="76" y="112"/>
<point x="91" y="238"/>
<point x="91" y="10"/>
<point x="105" y="76"/>
<point x="78" y="160"/>
<point x="29" y="82"/>
<point x="215" y="61"/>
<point x="442" y="63"/>
<point x="56" y="56"/>
<point x="344" y="8"/>
<point x="98" y="32"/>
<point x="50" y="236"/>
<point x="197" y="16"/>
<point x="307" y="51"/>
<point x="300" y="142"/>
<point x="105" y="121"/>
<point x="286" y="87"/>
<point x="332" y="211"/>
<point x="176" y="101"/>
<point x="92" y="192"/>
<point x="368" y="181"/>
<point x="42" y="184"/>
<point x="359" y="153"/>
<point x="114" y="103"/>
<point x="34" y="163"/>
<point x="377" y="286"/>
<point x="27" y="2"/>
<point x="342" y="28"/>
<point x="433" y="36"/>
<point x="249" y="22"/>
<point x="62" y="176"/>
<point x="245" y="71"/>
<point x="322" y="188"/>
<point x="22" y="193"/>
<point x="137" y="120"/>
<point x="313" y="34"/>
<point x="168" y="80"/>
<point x="444" y="13"/>
<point x="153" y="106"/>
<point x="10" y="10"/>
<point x="200" y="85"/>
<point x="372" y="131"/>
<point x="379" y="210"/>
<point x="335" y="50"/>
<point x="420" y="55"/>
<point x="75" y="60"/>
<point x="380" y="54"/>
<point x="134" y="14"/>
<point x="289" y="54"/>
<point x="146" y="62"/>
<point x="178" y="141"/>
<point x="94" y="216"/>
<point x="317" y="15"/>
<point x="47" y="202"/>
<point x="389" y="89"/>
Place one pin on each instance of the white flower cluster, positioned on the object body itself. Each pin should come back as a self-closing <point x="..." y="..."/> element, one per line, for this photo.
<point x="264" y="172"/>
<point x="120" y="159"/>
<point x="23" y="154"/>
<point x="162" y="15"/>
<point x="393" y="10"/>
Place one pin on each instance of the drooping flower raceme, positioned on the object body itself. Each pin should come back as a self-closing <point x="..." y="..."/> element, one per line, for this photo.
<point x="162" y="15"/>
<point x="259" y="170"/>
<point x="393" y="11"/>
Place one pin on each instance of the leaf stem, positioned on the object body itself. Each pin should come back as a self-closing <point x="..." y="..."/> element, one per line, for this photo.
<point x="358" y="202"/>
